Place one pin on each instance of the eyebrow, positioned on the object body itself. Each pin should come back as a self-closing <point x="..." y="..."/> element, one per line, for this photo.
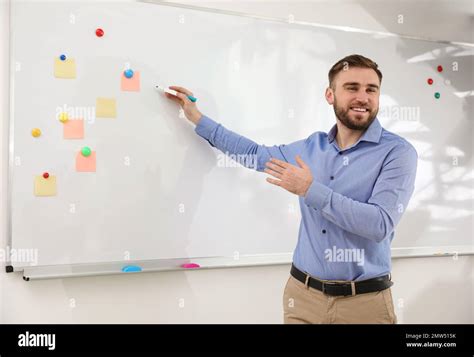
<point x="358" y="84"/>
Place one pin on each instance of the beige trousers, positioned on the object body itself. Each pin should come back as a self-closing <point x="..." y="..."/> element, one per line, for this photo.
<point x="305" y="305"/>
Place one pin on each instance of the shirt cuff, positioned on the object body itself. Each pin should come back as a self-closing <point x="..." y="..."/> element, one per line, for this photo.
<point x="317" y="195"/>
<point x="205" y="127"/>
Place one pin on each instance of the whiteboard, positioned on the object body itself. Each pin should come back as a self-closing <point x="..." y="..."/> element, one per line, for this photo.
<point x="161" y="193"/>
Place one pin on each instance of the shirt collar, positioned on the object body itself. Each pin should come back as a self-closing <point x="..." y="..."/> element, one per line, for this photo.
<point x="372" y="134"/>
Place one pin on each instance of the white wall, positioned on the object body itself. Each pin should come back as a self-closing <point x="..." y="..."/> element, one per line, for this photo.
<point x="427" y="290"/>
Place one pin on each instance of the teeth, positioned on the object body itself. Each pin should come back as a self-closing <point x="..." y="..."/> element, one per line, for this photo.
<point x="359" y="109"/>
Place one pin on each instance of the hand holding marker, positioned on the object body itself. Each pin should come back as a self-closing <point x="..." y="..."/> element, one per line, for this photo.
<point x="173" y="92"/>
<point x="185" y="99"/>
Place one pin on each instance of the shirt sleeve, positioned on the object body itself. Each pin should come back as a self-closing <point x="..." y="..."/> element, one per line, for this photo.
<point x="247" y="152"/>
<point x="375" y="219"/>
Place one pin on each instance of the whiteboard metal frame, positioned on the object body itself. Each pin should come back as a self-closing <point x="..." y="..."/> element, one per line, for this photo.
<point x="94" y="269"/>
<point x="305" y="23"/>
<point x="255" y="260"/>
<point x="11" y="137"/>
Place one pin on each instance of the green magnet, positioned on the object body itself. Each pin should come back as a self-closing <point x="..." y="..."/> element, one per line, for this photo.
<point x="86" y="151"/>
<point x="437" y="95"/>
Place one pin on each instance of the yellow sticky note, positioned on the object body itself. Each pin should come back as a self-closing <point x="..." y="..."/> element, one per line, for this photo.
<point x="45" y="186"/>
<point x="65" y="69"/>
<point x="131" y="84"/>
<point x="85" y="163"/>
<point x="73" y="129"/>
<point x="105" y="108"/>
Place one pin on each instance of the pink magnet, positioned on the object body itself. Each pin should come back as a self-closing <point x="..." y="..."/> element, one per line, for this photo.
<point x="190" y="266"/>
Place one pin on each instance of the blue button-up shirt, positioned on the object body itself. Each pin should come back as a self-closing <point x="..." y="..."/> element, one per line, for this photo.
<point x="357" y="197"/>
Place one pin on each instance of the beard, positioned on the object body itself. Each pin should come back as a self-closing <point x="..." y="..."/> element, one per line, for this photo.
<point x="354" y="120"/>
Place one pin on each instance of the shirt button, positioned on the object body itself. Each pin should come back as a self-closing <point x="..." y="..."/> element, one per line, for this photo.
<point x="324" y="231"/>
<point x="332" y="177"/>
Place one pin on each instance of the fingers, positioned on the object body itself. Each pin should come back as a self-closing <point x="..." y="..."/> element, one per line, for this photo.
<point x="273" y="182"/>
<point x="301" y="162"/>
<point x="274" y="167"/>
<point x="283" y="164"/>
<point x="183" y="97"/>
<point x="181" y="90"/>
<point x="273" y="173"/>
<point x="174" y="98"/>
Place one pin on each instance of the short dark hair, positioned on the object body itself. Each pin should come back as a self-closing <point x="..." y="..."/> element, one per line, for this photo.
<point x="352" y="61"/>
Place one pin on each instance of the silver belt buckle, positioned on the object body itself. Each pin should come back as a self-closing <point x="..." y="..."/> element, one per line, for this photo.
<point x="353" y="292"/>
<point x="324" y="283"/>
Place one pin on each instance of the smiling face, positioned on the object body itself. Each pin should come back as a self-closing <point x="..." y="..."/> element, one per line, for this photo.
<point x="354" y="95"/>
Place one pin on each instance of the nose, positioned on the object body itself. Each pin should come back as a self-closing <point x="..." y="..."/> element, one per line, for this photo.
<point x="362" y="97"/>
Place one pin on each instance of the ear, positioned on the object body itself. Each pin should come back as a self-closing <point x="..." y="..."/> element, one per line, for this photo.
<point x="329" y="95"/>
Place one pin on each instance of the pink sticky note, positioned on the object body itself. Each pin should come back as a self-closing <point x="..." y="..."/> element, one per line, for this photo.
<point x="85" y="164"/>
<point x="131" y="84"/>
<point x="190" y="265"/>
<point x="73" y="129"/>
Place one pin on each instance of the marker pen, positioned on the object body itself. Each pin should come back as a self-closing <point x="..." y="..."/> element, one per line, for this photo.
<point x="173" y="92"/>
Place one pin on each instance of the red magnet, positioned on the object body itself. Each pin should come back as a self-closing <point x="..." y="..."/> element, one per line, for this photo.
<point x="440" y="68"/>
<point x="45" y="175"/>
<point x="430" y="81"/>
<point x="190" y="266"/>
<point x="99" y="32"/>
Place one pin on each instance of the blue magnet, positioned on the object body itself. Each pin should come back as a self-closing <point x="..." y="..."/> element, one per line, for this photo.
<point x="128" y="73"/>
<point x="131" y="269"/>
<point x="62" y="57"/>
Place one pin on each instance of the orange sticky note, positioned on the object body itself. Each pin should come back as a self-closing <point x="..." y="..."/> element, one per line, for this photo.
<point x="73" y="129"/>
<point x="45" y="186"/>
<point x="65" y="69"/>
<point x="85" y="163"/>
<point x="131" y="84"/>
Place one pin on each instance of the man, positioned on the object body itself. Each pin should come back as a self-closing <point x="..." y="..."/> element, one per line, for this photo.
<point x="353" y="183"/>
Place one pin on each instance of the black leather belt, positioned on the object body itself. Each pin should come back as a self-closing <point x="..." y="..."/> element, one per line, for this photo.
<point x="342" y="289"/>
